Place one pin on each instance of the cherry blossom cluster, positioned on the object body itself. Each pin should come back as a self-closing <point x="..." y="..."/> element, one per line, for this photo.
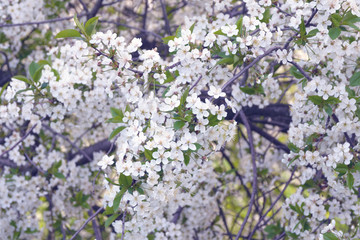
<point x="148" y="139"/>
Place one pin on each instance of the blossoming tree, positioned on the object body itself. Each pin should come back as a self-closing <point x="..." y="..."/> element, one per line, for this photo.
<point x="175" y="119"/>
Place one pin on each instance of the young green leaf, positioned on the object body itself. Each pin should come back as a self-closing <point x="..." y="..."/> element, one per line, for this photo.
<point x="334" y="32"/>
<point x="90" y="25"/>
<point x="355" y="80"/>
<point x="178" y="32"/>
<point x="116" y="131"/>
<point x="350" y="180"/>
<point x="111" y="219"/>
<point x="33" y="67"/>
<point x="330" y="236"/>
<point x="118" y="198"/>
<point x="22" y="78"/>
<point x="178" y="125"/>
<point x="186" y="159"/>
<point x="68" y="33"/>
<point x="125" y="181"/>
<point x="293" y="147"/>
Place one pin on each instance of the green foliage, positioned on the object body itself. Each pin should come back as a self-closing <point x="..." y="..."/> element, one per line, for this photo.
<point x="355" y="79"/>
<point x="273" y="230"/>
<point x="68" y="33"/>
<point x="330" y="236"/>
<point x="116" y="131"/>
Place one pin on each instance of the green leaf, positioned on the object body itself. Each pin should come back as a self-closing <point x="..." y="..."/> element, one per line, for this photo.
<point x="186" y="159"/>
<point x="118" y="198"/>
<point x="44" y="62"/>
<point x="167" y="39"/>
<point x="336" y="19"/>
<point x="178" y="32"/>
<point x="296" y="73"/>
<point x="312" y="33"/>
<point x="355" y="80"/>
<point x="317" y="100"/>
<point x="184" y="96"/>
<point x="350" y="92"/>
<point x="59" y="175"/>
<point x="108" y="210"/>
<point x="116" y="112"/>
<point x="44" y="85"/>
<point x="357" y="166"/>
<point x="293" y="147"/>
<point x="332" y="100"/>
<point x="112" y="182"/>
<point x="213" y="121"/>
<point x="328" y="109"/>
<point x="334" y="32"/>
<point x="228" y="60"/>
<point x="37" y="74"/>
<point x="239" y="24"/>
<point x="116" y="119"/>
<point x="80" y="26"/>
<point x="302" y="28"/>
<point x="111" y="219"/>
<point x="169" y="77"/>
<point x="22" y="78"/>
<point x="266" y="15"/>
<point x="341" y="169"/>
<point x="192" y="28"/>
<point x="330" y="236"/>
<point x="3" y="89"/>
<point x="33" y="68"/>
<point x="90" y="25"/>
<point x="198" y="146"/>
<point x="293" y="160"/>
<point x="273" y="230"/>
<point x="350" y="18"/>
<point x="116" y="131"/>
<point x="219" y="32"/>
<point x="248" y="90"/>
<point x="309" y="184"/>
<point x="350" y="180"/>
<point x="178" y="125"/>
<point x="68" y="33"/>
<point x="148" y="154"/>
<point x="125" y="181"/>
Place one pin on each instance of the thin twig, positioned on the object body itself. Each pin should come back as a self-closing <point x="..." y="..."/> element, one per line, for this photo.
<point x="40" y="22"/>
<point x="96" y="227"/>
<point x="18" y="142"/>
<point x="254" y="171"/>
<point x="221" y="212"/>
<point x="256" y="60"/>
<point x="196" y="83"/>
<point x="86" y="222"/>
<point x="36" y="166"/>
<point x="301" y="70"/>
<point x="273" y="204"/>
<point x="68" y="140"/>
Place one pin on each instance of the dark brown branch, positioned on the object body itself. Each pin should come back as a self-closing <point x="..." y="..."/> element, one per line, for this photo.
<point x="166" y="20"/>
<point x="176" y="215"/>
<point x="95" y="226"/>
<point x="222" y="215"/>
<point x="95" y="9"/>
